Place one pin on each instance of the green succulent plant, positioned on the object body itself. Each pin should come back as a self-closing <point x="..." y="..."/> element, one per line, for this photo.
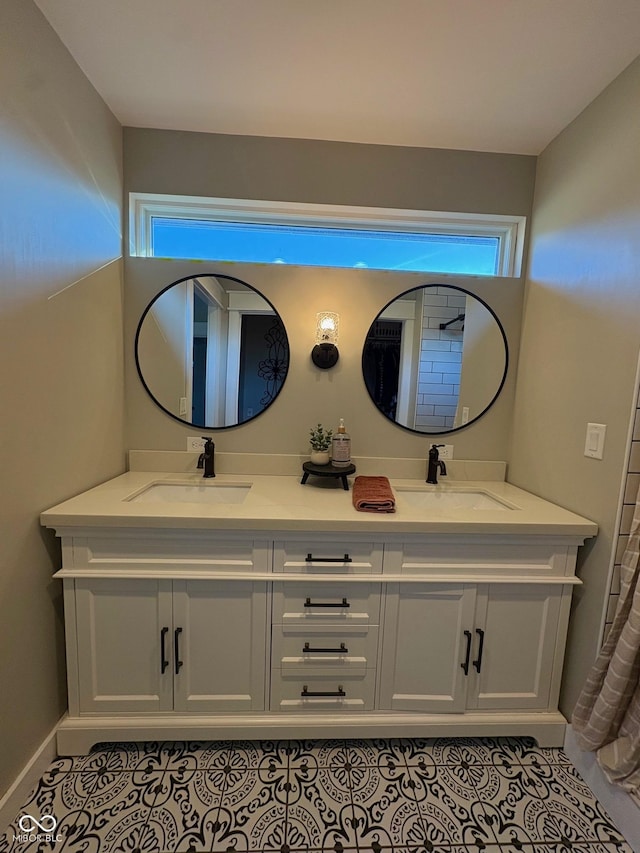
<point x="320" y="438"/>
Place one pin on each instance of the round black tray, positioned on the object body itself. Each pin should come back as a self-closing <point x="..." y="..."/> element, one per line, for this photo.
<point x="328" y="471"/>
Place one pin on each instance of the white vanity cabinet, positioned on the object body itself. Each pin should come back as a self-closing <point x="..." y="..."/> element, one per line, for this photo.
<point x="517" y="646"/>
<point x="165" y="624"/>
<point x="123" y="629"/>
<point x="455" y="647"/>
<point x="387" y="628"/>
<point x="423" y="646"/>
<point x="146" y="645"/>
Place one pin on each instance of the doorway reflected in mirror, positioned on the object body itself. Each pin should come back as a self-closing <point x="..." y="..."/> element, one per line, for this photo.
<point x="435" y="359"/>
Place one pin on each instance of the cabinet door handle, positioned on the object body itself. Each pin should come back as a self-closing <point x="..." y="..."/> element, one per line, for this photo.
<point x="311" y="559"/>
<point x="338" y="693"/>
<point x="478" y="661"/>
<point x="164" y="663"/>
<point x="343" y="603"/>
<point x="176" y="649"/>
<point x="465" y="663"/>
<point x="343" y="650"/>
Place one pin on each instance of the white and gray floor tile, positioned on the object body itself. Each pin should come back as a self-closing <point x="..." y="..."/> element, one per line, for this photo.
<point x="487" y="795"/>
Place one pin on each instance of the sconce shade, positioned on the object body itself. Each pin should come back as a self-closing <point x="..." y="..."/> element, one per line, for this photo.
<point x="327" y="325"/>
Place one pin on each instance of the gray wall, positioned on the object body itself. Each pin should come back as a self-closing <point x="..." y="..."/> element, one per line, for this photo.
<point x="298" y="293"/>
<point x="581" y="334"/>
<point x="318" y="172"/>
<point x="61" y="349"/>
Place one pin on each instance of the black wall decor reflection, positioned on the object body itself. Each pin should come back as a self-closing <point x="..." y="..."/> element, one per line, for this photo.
<point x="264" y="363"/>
<point x="274" y="368"/>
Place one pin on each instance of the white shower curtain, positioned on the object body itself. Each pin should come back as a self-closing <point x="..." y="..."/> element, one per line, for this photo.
<point x="606" y="718"/>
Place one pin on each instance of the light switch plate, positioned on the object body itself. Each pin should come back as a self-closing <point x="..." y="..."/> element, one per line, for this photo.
<point x="594" y="442"/>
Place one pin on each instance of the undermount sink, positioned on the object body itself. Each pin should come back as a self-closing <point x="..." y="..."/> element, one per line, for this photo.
<point x="450" y="499"/>
<point x="194" y="493"/>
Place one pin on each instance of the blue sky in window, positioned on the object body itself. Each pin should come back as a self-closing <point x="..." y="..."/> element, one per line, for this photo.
<point x="327" y="247"/>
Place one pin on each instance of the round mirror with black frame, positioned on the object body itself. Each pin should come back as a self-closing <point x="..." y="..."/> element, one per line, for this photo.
<point x="435" y="359"/>
<point x="211" y="351"/>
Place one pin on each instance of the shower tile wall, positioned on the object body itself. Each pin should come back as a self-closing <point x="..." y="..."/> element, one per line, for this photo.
<point x="440" y="359"/>
<point x="629" y="500"/>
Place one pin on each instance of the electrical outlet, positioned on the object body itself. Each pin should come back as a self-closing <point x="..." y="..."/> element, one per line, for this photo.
<point x="195" y="443"/>
<point x="446" y="452"/>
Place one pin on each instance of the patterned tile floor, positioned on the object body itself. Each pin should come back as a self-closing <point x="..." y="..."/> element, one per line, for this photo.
<point x="409" y="796"/>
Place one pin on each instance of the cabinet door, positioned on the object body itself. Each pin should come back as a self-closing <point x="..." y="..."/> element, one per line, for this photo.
<point x="520" y="625"/>
<point x="122" y="626"/>
<point x="219" y="645"/>
<point x="424" y="647"/>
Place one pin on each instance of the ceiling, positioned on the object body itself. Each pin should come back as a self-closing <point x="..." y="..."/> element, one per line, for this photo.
<point x="485" y="75"/>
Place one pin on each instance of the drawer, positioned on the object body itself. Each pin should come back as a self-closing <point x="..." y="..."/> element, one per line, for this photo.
<point x="343" y="692"/>
<point x="326" y="603"/>
<point x="195" y="552"/>
<point x="322" y="557"/>
<point x="310" y="648"/>
<point x="464" y="557"/>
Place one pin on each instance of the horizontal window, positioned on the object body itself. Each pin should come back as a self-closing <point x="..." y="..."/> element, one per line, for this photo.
<point x="324" y="235"/>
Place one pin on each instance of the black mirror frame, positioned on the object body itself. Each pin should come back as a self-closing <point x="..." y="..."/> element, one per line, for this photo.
<point x="139" y="369"/>
<point x="506" y="358"/>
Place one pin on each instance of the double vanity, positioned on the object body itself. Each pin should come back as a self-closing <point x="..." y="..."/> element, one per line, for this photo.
<point x="257" y="607"/>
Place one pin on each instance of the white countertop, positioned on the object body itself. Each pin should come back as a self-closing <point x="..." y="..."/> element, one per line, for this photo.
<point x="282" y="503"/>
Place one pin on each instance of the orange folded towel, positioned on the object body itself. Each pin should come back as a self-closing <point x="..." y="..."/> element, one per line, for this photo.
<point x="373" y="494"/>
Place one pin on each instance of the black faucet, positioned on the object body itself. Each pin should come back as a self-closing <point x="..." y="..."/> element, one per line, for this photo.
<point x="206" y="459"/>
<point x="434" y="463"/>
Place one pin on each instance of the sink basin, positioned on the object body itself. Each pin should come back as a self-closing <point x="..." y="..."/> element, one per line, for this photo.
<point x="451" y="499"/>
<point x="194" y="493"/>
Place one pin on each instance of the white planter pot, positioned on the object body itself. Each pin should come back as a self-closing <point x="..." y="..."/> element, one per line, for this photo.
<point x="320" y="457"/>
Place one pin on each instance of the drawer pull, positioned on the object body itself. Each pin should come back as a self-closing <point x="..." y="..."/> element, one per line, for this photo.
<point x="306" y="693"/>
<point x="478" y="662"/>
<point x="343" y="650"/>
<point x="465" y="664"/>
<point x="311" y="559"/>
<point x="176" y="649"/>
<point x="343" y="603"/>
<point x="164" y="663"/>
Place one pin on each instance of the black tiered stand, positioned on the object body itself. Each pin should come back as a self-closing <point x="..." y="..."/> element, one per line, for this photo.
<point x="328" y="471"/>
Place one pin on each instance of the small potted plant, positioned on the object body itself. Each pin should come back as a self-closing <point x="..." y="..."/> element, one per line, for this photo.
<point x="320" y="441"/>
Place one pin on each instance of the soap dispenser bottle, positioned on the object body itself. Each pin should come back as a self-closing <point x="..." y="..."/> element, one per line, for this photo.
<point x="341" y="447"/>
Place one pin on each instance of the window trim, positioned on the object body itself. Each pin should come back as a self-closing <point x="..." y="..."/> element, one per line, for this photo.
<point x="509" y="230"/>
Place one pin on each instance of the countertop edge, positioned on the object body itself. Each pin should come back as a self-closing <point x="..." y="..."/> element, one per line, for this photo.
<point x="280" y="507"/>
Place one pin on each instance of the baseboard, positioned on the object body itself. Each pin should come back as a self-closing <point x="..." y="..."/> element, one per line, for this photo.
<point x="28" y="778"/>
<point x="619" y="805"/>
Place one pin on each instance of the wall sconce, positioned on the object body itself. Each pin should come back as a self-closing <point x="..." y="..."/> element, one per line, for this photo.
<point x="325" y="353"/>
